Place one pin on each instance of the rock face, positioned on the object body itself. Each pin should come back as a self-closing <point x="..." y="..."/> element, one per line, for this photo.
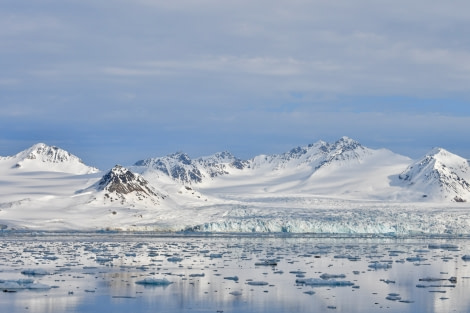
<point x="439" y="175"/>
<point x="123" y="185"/>
<point x="49" y="158"/>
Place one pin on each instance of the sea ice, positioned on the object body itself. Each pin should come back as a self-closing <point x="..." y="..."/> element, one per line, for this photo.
<point x="330" y="276"/>
<point x="377" y="265"/>
<point x="322" y="282"/>
<point x="21" y="284"/>
<point x="154" y="281"/>
<point x="257" y="283"/>
<point x="35" y="272"/>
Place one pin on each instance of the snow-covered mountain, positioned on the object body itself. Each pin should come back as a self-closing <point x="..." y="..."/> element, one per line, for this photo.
<point x="123" y="186"/>
<point x="339" y="187"/>
<point x="180" y="167"/>
<point x="41" y="157"/>
<point x="439" y="175"/>
<point x="339" y="168"/>
<point x="317" y="155"/>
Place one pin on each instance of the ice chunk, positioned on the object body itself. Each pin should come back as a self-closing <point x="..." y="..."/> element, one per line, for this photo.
<point x="377" y="265"/>
<point x="38" y="286"/>
<point x="154" y="281"/>
<point x="393" y="297"/>
<point x="445" y="246"/>
<point x="215" y="255"/>
<point x="330" y="276"/>
<point x="35" y="272"/>
<point x="257" y="283"/>
<point x="9" y="285"/>
<point x="453" y="279"/>
<point x="266" y="263"/>
<point x="415" y="259"/>
<point x="322" y="282"/>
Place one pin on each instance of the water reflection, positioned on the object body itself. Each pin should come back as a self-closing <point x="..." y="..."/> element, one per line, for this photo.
<point x="99" y="273"/>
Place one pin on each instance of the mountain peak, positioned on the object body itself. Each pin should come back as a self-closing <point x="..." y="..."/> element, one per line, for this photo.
<point x="122" y="181"/>
<point x="440" y="173"/>
<point x="41" y="156"/>
<point x="347" y="142"/>
<point x="439" y="152"/>
<point x="120" y="184"/>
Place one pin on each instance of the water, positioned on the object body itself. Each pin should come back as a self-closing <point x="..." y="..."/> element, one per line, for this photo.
<point x="98" y="273"/>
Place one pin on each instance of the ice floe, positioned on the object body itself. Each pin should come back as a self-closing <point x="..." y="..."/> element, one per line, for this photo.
<point x="12" y="285"/>
<point x="321" y="282"/>
<point x="154" y="281"/>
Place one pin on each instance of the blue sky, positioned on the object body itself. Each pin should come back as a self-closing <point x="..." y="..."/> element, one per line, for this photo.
<point x="117" y="81"/>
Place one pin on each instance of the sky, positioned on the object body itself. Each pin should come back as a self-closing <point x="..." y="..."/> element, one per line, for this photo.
<point x="117" y="81"/>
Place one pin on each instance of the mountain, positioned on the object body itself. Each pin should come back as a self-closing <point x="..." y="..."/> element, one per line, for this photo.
<point x="123" y="186"/>
<point x="180" y="167"/>
<point x="41" y="157"/>
<point x="338" y="187"/>
<point x="439" y="175"/>
<point x="317" y="155"/>
<point x="343" y="168"/>
<point x="303" y="169"/>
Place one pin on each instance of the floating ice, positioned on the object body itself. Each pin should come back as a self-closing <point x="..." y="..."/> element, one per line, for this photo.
<point x="393" y="297"/>
<point x="377" y="265"/>
<point x="154" y="281"/>
<point x="234" y="278"/>
<point x="330" y="276"/>
<point x="445" y="246"/>
<point x="35" y="272"/>
<point x="215" y="255"/>
<point x="266" y="263"/>
<point x="452" y="279"/>
<point x="103" y="259"/>
<point x="415" y="259"/>
<point x="434" y="286"/>
<point x="257" y="283"/>
<point x="322" y="282"/>
<point x="19" y="284"/>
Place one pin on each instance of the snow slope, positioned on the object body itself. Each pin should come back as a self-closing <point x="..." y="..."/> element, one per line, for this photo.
<point x="340" y="187"/>
<point x="344" y="168"/>
<point x="41" y="157"/>
<point x="439" y="175"/>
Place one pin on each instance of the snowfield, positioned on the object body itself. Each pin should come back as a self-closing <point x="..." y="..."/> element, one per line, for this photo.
<point x="326" y="188"/>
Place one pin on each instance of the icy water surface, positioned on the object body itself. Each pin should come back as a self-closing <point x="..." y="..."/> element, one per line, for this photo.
<point x="142" y="273"/>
